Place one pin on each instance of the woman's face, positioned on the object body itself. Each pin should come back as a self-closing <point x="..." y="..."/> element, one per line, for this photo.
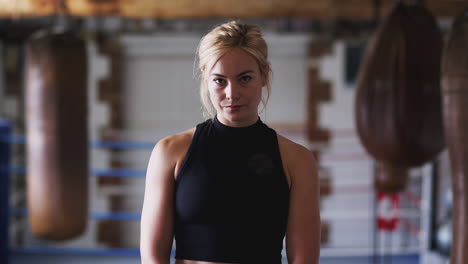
<point x="235" y="88"/>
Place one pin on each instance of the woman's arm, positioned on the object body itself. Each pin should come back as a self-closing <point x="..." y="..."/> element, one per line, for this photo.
<point x="156" y="230"/>
<point x="303" y="230"/>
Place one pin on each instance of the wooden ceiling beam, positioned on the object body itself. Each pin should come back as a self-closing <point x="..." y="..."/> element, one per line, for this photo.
<point x="314" y="9"/>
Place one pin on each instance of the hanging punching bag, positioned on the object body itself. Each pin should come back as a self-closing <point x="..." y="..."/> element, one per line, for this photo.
<point x="56" y="129"/>
<point x="398" y="109"/>
<point x="455" y="109"/>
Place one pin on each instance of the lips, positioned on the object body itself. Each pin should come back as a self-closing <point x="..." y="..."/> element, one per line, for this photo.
<point x="233" y="107"/>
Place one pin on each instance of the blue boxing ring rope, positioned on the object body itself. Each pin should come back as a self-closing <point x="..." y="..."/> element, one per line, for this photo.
<point x="5" y="150"/>
<point x="6" y="212"/>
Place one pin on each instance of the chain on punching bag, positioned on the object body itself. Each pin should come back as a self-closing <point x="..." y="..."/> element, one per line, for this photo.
<point x="57" y="141"/>
<point x="455" y="106"/>
<point x="398" y="109"/>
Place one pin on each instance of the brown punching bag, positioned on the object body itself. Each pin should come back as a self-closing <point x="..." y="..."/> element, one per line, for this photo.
<point x="455" y="108"/>
<point x="57" y="140"/>
<point x="398" y="108"/>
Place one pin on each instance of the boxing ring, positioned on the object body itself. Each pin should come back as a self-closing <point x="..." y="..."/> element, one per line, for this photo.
<point x="7" y="169"/>
<point x="7" y="139"/>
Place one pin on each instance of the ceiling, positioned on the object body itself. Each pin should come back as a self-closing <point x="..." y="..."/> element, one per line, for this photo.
<point x="312" y="9"/>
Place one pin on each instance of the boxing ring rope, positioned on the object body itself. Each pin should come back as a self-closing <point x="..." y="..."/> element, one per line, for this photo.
<point x="127" y="145"/>
<point x="5" y="150"/>
<point x="6" y="169"/>
<point x="6" y="212"/>
<point x="117" y="252"/>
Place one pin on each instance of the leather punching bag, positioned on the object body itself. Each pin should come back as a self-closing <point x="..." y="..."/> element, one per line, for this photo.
<point x="455" y="108"/>
<point x="56" y="129"/>
<point x="398" y="108"/>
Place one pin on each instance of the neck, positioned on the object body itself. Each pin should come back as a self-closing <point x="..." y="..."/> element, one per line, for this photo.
<point x="237" y="124"/>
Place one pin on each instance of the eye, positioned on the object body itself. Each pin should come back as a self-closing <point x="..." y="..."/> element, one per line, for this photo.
<point x="219" y="81"/>
<point x="245" y="78"/>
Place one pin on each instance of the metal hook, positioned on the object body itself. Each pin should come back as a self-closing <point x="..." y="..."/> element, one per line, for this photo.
<point x="62" y="14"/>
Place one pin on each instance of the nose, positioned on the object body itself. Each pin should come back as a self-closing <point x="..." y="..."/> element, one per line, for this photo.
<point x="232" y="91"/>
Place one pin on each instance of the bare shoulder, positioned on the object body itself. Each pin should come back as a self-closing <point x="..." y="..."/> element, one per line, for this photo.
<point x="297" y="160"/>
<point x="171" y="150"/>
<point x="175" y="143"/>
<point x="294" y="151"/>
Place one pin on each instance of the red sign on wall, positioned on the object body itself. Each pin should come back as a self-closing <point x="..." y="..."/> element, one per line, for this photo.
<point x="388" y="211"/>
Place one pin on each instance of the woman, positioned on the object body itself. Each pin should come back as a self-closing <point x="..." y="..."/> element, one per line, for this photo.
<point x="230" y="189"/>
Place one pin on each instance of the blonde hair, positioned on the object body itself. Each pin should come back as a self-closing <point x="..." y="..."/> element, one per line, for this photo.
<point x="220" y="41"/>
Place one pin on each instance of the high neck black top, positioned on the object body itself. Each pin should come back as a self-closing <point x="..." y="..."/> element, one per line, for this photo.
<point x="231" y="196"/>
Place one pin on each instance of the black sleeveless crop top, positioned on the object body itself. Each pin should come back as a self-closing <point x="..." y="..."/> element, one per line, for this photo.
<point x="231" y="196"/>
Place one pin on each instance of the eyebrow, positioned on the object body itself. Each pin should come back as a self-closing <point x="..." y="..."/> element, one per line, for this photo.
<point x="240" y="74"/>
